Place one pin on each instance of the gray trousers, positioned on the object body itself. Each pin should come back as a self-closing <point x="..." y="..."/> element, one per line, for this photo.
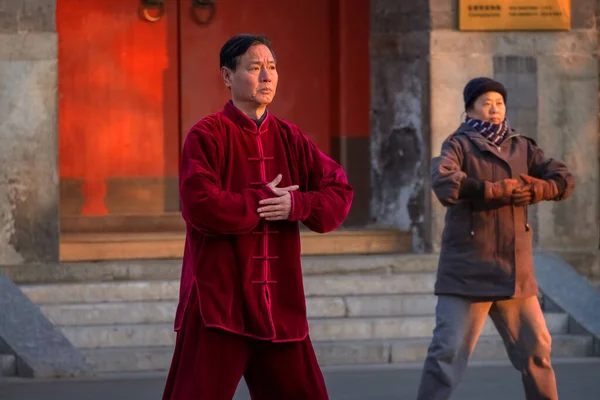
<point x="459" y="321"/>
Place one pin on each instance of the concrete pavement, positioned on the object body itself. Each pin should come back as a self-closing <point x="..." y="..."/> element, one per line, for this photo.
<point x="577" y="380"/>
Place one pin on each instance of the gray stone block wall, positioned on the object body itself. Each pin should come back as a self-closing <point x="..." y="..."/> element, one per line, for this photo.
<point x="27" y="16"/>
<point x="393" y="16"/>
<point x="583" y="14"/>
<point x="29" y="211"/>
<point x="597" y="23"/>
<point x="444" y="14"/>
<point x="519" y="76"/>
<point x="400" y="115"/>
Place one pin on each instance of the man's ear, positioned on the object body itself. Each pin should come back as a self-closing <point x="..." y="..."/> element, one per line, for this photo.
<point x="227" y="75"/>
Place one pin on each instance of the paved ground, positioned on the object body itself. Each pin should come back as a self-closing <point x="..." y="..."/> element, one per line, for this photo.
<point x="577" y="381"/>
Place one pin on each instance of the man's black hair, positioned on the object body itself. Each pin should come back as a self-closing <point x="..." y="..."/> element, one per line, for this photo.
<point x="234" y="49"/>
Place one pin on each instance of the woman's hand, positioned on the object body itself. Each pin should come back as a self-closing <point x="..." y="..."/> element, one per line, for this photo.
<point x="521" y="196"/>
<point x="540" y="189"/>
<point x="500" y="191"/>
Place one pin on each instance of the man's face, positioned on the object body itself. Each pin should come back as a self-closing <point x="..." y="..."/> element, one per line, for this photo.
<point x="254" y="81"/>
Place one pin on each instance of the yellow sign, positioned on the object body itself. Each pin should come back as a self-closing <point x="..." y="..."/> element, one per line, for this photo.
<point x="515" y="15"/>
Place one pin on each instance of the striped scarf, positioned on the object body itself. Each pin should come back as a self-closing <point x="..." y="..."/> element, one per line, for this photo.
<point x="495" y="133"/>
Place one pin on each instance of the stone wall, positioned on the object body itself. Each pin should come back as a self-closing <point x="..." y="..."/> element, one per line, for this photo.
<point x="29" y="212"/>
<point x="597" y="25"/>
<point x="400" y="115"/>
<point x="553" y="97"/>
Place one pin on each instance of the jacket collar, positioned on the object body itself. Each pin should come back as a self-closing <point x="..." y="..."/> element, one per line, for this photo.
<point x="245" y="122"/>
<point x="482" y="143"/>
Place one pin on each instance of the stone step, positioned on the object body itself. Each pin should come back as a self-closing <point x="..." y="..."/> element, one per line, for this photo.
<point x="152" y="312"/>
<point x="146" y="312"/>
<point x="402" y="327"/>
<point x="489" y="348"/>
<point x="330" y="329"/>
<point x="390" y="305"/>
<point x="145" y="245"/>
<point x="167" y="270"/>
<point x="325" y="285"/>
<point x="82" y="293"/>
<point x="129" y="359"/>
<point x="358" y="284"/>
<point x="8" y="365"/>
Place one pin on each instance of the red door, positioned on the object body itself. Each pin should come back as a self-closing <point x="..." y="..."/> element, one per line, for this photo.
<point x="118" y="109"/>
<point x="300" y="32"/>
<point x="131" y="89"/>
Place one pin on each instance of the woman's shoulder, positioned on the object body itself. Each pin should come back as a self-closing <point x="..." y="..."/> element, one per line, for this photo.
<point x="522" y="138"/>
<point x="460" y="134"/>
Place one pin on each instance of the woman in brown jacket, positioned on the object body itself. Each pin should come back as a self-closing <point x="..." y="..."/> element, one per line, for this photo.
<point x="486" y="176"/>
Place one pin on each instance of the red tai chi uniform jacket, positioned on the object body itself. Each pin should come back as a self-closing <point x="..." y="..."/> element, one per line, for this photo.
<point x="247" y="270"/>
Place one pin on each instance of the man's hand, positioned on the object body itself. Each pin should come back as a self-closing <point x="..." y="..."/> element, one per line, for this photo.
<point x="540" y="189"/>
<point x="500" y="191"/>
<point x="277" y="208"/>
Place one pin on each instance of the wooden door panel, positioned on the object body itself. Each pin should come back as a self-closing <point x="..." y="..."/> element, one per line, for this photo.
<point x="301" y="38"/>
<point x="118" y="108"/>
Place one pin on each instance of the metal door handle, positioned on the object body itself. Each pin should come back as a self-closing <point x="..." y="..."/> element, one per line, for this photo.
<point x="206" y="7"/>
<point x="157" y="5"/>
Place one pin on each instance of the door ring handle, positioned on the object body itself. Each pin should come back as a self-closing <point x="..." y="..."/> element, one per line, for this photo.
<point x="198" y="5"/>
<point x="160" y="8"/>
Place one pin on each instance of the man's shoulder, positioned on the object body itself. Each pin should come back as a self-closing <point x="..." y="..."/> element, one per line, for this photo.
<point x="210" y="126"/>
<point x="210" y="121"/>
<point x="292" y="133"/>
<point x="523" y="142"/>
<point x="285" y="126"/>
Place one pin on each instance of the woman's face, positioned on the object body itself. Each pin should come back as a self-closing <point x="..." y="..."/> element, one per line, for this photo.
<point x="489" y="107"/>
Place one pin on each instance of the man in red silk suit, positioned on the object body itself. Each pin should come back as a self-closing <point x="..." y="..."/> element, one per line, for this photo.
<point x="247" y="179"/>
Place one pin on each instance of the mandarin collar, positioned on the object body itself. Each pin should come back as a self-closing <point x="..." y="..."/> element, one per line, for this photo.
<point x="243" y="121"/>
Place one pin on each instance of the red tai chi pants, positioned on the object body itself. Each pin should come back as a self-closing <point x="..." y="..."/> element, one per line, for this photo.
<point x="209" y="362"/>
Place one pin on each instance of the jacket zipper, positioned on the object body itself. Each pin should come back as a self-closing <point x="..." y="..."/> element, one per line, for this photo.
<point x="496" y="219"/>
<point x="527" y="227"/>
<point x="499" y="147"/>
